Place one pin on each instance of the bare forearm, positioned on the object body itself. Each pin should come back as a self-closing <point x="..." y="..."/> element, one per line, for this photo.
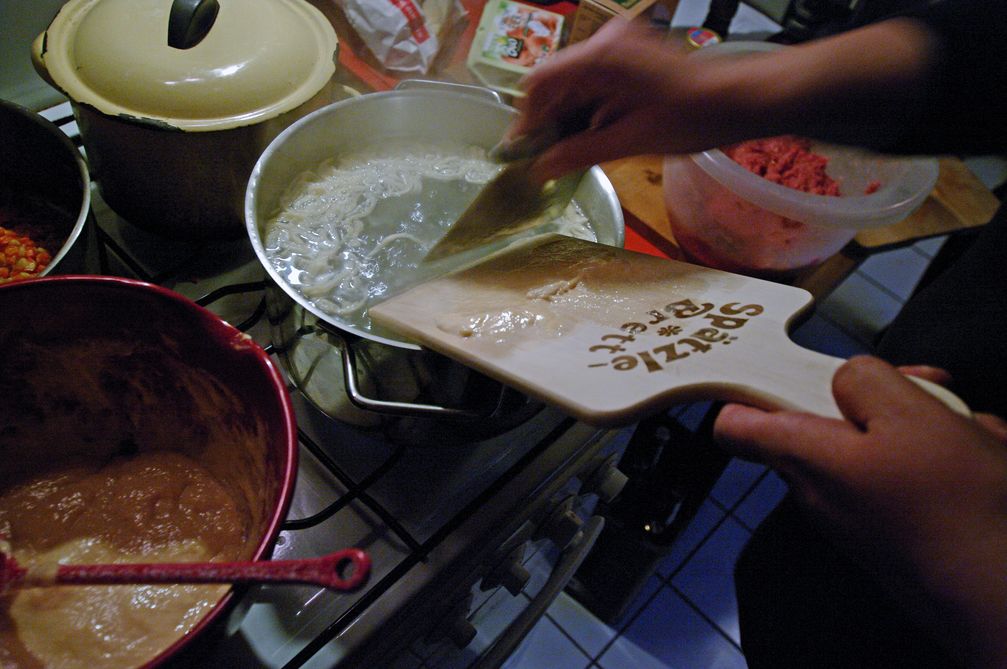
<point x="862" y="87"/>
<point x="967" y="584"/>
<point x="644" y="97"/>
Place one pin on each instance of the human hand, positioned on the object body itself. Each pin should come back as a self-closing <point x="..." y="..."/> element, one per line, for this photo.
<point x="640" y="94"/>
<point x="912" y="490"/>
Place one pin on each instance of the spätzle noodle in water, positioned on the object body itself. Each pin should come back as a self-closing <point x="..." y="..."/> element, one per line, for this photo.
<point x="355" y="230"/>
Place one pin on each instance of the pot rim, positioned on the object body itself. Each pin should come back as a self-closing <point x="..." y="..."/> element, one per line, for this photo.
<point x="427" y="90"/>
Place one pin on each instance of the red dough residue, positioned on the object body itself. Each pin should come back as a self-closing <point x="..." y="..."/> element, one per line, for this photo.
<point x="786" y="160"/>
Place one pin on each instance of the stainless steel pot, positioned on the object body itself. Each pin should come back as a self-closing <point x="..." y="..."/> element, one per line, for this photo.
<point x="175" y="100"/>
<point x="38" y="161"/>
<point x="338" y="365"/>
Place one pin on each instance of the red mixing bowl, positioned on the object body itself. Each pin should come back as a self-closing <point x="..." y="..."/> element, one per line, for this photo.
<point x="51" y="312"/>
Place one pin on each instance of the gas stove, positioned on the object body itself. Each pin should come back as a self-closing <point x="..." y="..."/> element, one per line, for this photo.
<point x="448" y="516"/>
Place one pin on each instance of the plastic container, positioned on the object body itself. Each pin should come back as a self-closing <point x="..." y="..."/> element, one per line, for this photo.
<point x="724" y="216"/>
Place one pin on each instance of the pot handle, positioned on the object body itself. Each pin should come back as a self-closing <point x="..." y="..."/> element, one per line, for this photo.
<point x="386" y="406"/>
<point x="464" y="89"/>
<point x="190" y="21"/>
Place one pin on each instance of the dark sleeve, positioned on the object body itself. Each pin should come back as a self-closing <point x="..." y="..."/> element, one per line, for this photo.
<point x="965" y="110"/>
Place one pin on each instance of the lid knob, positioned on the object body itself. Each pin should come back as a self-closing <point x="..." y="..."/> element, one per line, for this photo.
<point x="190" y="21"/>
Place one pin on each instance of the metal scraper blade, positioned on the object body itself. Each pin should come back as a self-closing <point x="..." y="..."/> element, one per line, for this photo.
<point x="511" y="203"/>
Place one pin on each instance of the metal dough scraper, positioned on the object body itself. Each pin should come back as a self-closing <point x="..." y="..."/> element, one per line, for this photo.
<point x="512" y="202"/>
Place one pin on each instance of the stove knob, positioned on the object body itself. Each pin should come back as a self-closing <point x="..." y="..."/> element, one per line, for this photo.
<point x="461" y="632"/>
<point x="509" y="572"/>
<point x="454" y="625"/>
<point x="605" y="480"/>
<point x="563" y="524"/>
<point x="516" y="579"/>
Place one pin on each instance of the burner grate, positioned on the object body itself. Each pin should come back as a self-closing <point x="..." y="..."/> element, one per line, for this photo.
<point x="347" y="476"/>
<point x="180" y="262"/>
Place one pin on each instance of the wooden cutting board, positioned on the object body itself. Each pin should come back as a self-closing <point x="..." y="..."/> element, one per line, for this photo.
<point x="610" y="336"/>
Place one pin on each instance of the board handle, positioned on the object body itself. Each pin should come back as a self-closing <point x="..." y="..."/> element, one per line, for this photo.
<point x="802" y="381"/>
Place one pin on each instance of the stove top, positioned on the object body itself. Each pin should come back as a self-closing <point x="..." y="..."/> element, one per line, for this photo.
<point x="417" y="509"/>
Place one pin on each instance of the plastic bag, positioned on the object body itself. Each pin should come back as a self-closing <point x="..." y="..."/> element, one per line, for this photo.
<point x="403" y="35"/>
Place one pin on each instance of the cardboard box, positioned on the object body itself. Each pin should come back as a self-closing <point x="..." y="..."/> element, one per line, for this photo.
<point x="591" y="14"/>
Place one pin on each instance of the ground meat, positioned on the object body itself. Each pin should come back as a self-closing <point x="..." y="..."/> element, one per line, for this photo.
<point x="786" y="160"/>
<point x="714" y="226"/>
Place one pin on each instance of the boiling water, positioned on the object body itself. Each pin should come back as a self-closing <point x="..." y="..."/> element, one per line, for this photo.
<point x="355" y="232"/>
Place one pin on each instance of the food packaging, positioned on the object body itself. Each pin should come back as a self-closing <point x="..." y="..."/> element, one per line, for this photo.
<point x="402" y="35"/>
<point x="512" y="37"/>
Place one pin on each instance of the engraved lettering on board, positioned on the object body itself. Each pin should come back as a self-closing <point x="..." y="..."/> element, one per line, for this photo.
<point x="693" y="327"/>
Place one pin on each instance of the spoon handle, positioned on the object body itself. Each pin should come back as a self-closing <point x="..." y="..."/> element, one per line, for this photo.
<point x="343" y="570"/>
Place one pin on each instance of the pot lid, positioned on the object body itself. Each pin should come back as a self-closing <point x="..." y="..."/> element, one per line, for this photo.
<point x="233" y="62"/>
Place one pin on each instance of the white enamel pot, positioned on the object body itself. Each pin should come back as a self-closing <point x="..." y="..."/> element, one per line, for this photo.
<point x="176" y="99"/>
